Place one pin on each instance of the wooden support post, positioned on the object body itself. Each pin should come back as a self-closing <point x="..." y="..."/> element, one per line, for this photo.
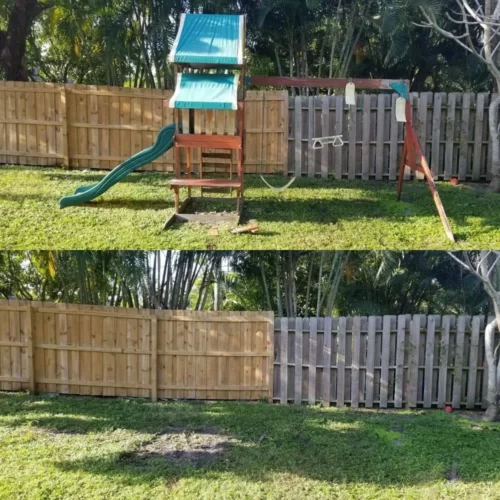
<point x="64" y="119"/>
<point x="402" y="170"/>
<point x="154" y="358"/>
<point x="176" y="201"/>
<point x="31" y="349"/>
<point x="188" y="168"/>
<point x="270" y="349"/>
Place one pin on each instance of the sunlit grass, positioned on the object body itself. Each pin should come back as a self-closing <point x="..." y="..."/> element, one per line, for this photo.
<point x="311" y="214"/>
<point x="77" y="447"/>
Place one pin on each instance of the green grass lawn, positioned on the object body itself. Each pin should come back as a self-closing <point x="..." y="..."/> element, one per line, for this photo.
<point x="312" y="214"/>
<point x="83" y="447"/>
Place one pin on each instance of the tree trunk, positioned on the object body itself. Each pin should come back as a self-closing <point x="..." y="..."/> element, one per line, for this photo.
<point x="491" y="413"/>
<point x="13" y="41"/>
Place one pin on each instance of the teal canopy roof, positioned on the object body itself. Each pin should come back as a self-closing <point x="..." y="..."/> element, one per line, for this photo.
<point x="205" y="91"/>
<point x="209" y="39"/>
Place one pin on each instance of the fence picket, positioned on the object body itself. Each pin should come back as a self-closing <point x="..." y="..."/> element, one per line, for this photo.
<point x="459" y="361"/>
<point x="284" y="362"/>
<point x="327" y="361"/>
<point x="313" y="348"/>
<point x="474" y="347"/>
<point x="370" y="361"/>
<point x="429" y="360"/>
<point x="443" y="360"/>
<point x="341" y="338"/>
<point x="356" y="345"/>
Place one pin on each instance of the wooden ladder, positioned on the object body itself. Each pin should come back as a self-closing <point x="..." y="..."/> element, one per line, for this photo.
<point x="224" y="167"/>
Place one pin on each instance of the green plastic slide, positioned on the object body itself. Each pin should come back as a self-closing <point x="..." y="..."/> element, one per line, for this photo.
<point x="84" y="194"/>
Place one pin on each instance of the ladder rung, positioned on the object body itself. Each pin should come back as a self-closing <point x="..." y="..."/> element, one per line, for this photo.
<point x="220" y="156"/>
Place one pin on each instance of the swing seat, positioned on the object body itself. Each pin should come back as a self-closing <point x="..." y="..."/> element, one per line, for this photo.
<point x="335" y="140"/>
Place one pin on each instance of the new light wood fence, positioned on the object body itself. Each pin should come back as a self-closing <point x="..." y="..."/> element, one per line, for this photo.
<point x="98" y="127"/>
<point x="389" y="361"/>
<point x="105" y="351"/>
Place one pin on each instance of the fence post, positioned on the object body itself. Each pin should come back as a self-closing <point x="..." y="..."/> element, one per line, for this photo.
<point x="64" y="110"/>
<point x="31" y="349"/>
<point x="270" y="348"/>
<point x="154" y="357"/>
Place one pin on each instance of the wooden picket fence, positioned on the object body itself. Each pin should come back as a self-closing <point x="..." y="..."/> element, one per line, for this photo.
<point x="106" y="351"/>
<point x="98" y="127"/>
<point x="88" y="126"/>
<point x="389" y="361"/>
<point x="372" y="362"/>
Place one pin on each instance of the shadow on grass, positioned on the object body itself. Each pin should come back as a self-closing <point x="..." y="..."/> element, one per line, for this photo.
<point x="337" y="446"/>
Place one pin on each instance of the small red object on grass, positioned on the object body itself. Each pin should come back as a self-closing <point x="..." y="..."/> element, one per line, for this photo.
<point x="454" y="181"/>
<point x="448" y="408"/>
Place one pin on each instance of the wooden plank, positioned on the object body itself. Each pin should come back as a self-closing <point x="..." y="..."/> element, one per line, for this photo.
<point x="5" y="362"/>
<point x="400" y="358"/>
<point x="311" y="130"/>
<point x="3" y="135"/>
<point x="298" y="135"/>
<point x="212" y="363"/>
<point x="31" y="130"/>
<point x="325" y="132"/>
<point x="380" y="133"/>
<point x="384" y="369"/>
<point x="352" y="143"/>
<point x="370" y="361"/>
<point x="429" y="359"/>
<point x="29" y="318"/>
<point x="41" y="131"/>
<point x="327" y="361"/>
<point x="459" y="361"/>
<point x="443" y="360"/>
<point x="190" y="364"/>
<point x="474" y="350"/>
<point x="298" y="361"/>
<point x="393" y="142"/>
<point x="341" y="349"/>
<point x="477" y="167"/>
<point x="200" y="346"/>
<point x="284" y="361"/>
<point x="154" y="358"/>
<point x="62" y="358"/>
<point x="435" y="161"/>
<point x="15" y="351"/>
<point x="450" y="136"/>
<point x="21" y="115"/>
<point x="132" y="343"/>
<point x="11" y="129"/>
<point x="339" y="125"/>
<point x="464" y="136"/>
<point x="313" y="350"/>
<point x="270" y="358"/>
<point x="356" y="345"/>
<point x="413" y="361"/>
<point x="332" y="83"/>
<point x="365" y="147"/>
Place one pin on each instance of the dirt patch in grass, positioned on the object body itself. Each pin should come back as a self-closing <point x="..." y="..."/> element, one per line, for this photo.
<point x="198" y="448"/>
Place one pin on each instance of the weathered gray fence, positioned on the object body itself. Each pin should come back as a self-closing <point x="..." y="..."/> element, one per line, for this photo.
<point x="453" y="130"/>
<point x="389" y="361"/>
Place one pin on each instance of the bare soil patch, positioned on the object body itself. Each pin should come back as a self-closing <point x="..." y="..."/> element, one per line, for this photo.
<point x="197" y="448"/>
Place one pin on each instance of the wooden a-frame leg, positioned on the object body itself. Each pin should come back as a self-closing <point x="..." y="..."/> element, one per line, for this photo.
<point x="401" y="174"/>
<point x="176" y="202"/>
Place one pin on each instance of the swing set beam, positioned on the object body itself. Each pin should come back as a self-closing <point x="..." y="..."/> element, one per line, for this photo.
<point x="413" y="156"/>
<point x="329" y="83"/>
